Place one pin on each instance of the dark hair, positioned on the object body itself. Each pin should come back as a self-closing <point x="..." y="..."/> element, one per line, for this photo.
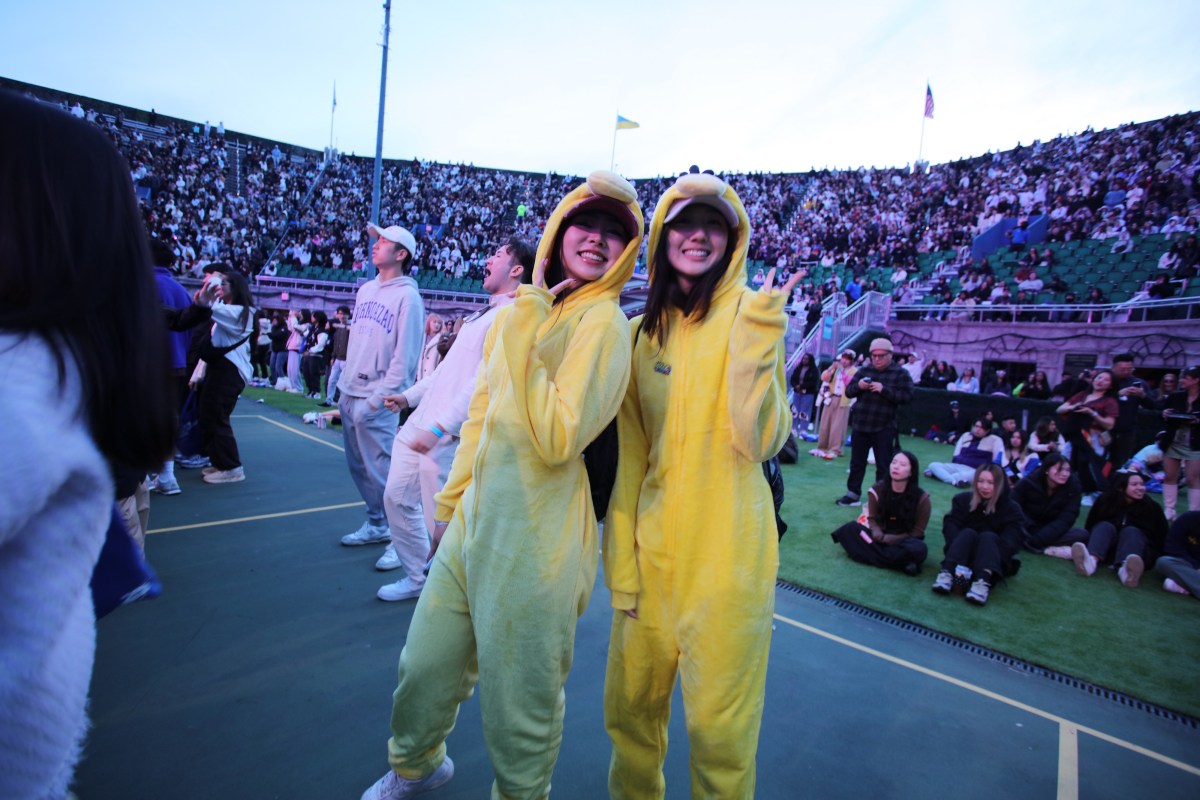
<point x="1112" y="502"/>
<point x="1112" y="382"/>
<point x="239" y="295"/>
<point x="1042" y="430"/>
<point x="900" y="508"/>
<point x="523" y="254"/>
<point x="75" y="271"/>
<point x="344" y="309"/>
<point x="161" y="254"/>
<point x="665" y="290"/>
<point x="985" y="422"/>
<point x="320" y="319"/>
<point x="1051" y="460"/>
<point x="1123" y="357"/>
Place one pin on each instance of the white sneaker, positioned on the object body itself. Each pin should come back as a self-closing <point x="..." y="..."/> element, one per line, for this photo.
<point x="1085" y="562"/>
<point x="403" y="589"/>
<point x="1171" y="586"/>
<point x="1058" y="551"/>
<point x="392" y="787"/>
<point x="1131" y="571"/>
<point x="389" y="560"/>
<point x="164" y="485"/>
<point x="234" y="475"/>
<point x="367" y="534"/>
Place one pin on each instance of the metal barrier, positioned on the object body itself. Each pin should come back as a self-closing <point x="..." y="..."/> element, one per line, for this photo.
<point x="1186" y="308"/>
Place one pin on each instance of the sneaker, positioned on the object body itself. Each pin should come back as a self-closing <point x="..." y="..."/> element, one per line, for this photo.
<point x="209" y="470"/>
<point x="978" y="593"/>
<point x="828" y="456"/>
<point x="234" y="475"/>
<point x="928" y="473"/>
<point x="164" y="485"/>
<point x="1131" y="571"/>
<point x="944" y="582"/>
<point x="1058" y="551"/>
<point x="1085" y="562"/>
<point x="403" y="589"/>
<point x="392" y="787"/>
<point x="389" y="560"/>
<point x="192" y="462"/>
<point x="847" y="501"/>
<point x="1171" y="586"/>
<point x="818" y="452"/>
<point x="960" y="484"/>
<point x="367" y="534"/>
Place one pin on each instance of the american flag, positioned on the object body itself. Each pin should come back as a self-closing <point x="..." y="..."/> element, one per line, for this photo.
<point x="928" y="102"/>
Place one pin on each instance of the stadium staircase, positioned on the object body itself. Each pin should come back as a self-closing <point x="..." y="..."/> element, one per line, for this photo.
<point x="235" y="178"/>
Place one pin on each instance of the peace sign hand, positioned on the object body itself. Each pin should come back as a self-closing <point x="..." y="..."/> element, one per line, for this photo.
<point x="769" y="284"/>
<point x="539" y="279"/>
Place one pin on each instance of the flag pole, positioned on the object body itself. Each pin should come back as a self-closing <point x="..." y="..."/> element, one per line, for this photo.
<point x="921" y="146"/>
<point x="331" y="113"/>
<point x="612" y="162"/>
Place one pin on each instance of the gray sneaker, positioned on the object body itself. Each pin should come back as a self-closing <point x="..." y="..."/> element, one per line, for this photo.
<point x="367" y="534"/>
<point x="164" y="485"/>
<point x="392" y="787"/>
<point x="944" y="583"/>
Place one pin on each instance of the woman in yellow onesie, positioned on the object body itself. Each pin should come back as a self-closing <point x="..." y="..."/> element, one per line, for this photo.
<point x="690" y="545"/>
<point x="516" y="565"/>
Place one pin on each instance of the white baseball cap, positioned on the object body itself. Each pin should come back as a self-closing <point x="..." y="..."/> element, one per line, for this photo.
<point x="395" y="234"/>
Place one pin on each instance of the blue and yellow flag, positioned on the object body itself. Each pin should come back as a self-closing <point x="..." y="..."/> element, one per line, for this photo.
<point x="625" y="124"/>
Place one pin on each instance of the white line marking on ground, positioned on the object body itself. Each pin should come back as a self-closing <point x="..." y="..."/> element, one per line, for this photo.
<point x="1068" y="762"/>
<point x="290" y="429"/>
<point x="970" y="687"/>
<point x="256" y="518"/>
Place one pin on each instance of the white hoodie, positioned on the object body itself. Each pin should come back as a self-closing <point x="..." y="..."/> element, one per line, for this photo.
<point x="386" y="340"/>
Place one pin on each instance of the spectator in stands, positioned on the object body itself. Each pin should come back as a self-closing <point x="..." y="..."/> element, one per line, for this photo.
<point x="1180" y="563"/>
<point x="425" y="445"/>
<point x="1017" y="460"/>
<point x="1066" y="314"/>
<point x="1070" y="385"/>
<point x="1046" y="438"/>
<point x="983" y="533"/>
<point x="383" y="351"/>
<point x="834" y="406"/>
<point x="897" y="514"/>
<point x="1057" y="285"/>
<point x="1167" y="384"/>
<point x="78" y="300"/>
<point x="979" y="446"/>
<point x="938" y="375"/>
<point x="966" y="383"/>
<point x="999" y="384"/>
<point x="1036" y="387"/>
<point x="953" y="426"/>
<point x="880" y="389"/>
<point x="1050" y="498"/>
<point x="1124" y="528"/>
<point x="1087" y="416"/>
<point x="804" y="392"/>
<point x="1032" y="283"/>
<point x="1133" y="394"/>
<point x="1182" y="415"/>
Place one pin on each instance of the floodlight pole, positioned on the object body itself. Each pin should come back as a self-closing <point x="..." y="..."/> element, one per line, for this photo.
<point x="375" y="186"/>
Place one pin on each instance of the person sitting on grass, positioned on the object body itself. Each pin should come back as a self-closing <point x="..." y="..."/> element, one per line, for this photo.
<point x="954" y="426"/>
<point x="1050" y="498"/>
<point x="983" y="533"/>
<point x="1017" y="460"/>
<point x="1125" y="529"/>
<point x="980" y="447"/>
<point x="1180" y="562"/>
<point x="897" y="513"/>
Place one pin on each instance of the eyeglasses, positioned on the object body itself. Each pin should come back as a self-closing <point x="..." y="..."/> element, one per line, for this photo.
<point x="880" y="355"/>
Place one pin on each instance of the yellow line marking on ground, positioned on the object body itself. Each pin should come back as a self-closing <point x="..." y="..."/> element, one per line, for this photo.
<point x="256" y="518"/>
<point x="1068" y="762"/>
<point x="290" y="429"/>
<point x="970" y="687"/>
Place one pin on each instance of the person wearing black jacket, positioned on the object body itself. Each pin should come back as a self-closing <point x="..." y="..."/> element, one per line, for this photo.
<point x="1180" y="562"/>
<point x="983" y="533"/>
<point x="804" y="392"/>
<point x="1050" y="498"/>
<point x="1124" y="528"/>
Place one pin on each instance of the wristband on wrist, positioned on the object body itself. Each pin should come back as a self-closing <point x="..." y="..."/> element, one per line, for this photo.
<point x="438" y="432"/>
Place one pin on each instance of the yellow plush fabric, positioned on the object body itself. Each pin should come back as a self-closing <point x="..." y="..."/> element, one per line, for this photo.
<point x="690" y="538"/>
<point x="518" y="561"/>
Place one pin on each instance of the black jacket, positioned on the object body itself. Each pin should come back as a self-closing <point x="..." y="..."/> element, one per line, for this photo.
<point x="1145" y="515"/>
<point x="1177" y="402"/>
<point x="1007" y="521"/>
<point x="1047" y="517"/>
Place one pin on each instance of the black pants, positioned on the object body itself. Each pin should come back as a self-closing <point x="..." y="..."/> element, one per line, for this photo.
<point x="1038" y="539"/>
<point x="979" y="550"/>
<point x="1087" y="465"/>
<point x="222" y="385"/>
<point x="1122" y="448"/>
<point x="260" y="356"/>
<point x="884" y="443"/>
<point x="312" y="368"/>
<point x="1111" y="546"/>
<point x="887" y="556"/>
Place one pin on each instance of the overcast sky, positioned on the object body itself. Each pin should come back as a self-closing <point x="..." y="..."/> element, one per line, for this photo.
<point x="536" y="85"/>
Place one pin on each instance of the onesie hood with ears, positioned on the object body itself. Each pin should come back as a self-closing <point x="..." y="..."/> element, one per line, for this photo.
<point x="602" y="191"/>
<point x="709" y="190"/>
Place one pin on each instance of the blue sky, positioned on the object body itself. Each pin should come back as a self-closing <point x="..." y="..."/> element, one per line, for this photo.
<point x="536" y="85"/>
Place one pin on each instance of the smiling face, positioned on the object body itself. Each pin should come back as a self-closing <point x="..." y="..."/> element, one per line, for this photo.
<point x="1136" y="489"/>
<point x="1060" y="473"/>
<point x="591" y="244"/>
<point x="696" y="242"/>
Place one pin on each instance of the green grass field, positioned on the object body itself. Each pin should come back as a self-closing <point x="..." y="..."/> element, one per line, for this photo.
<point x="1141" y="642"/>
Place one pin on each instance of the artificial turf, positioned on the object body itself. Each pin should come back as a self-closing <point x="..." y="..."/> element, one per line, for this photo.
<point x="1140" y="642"/>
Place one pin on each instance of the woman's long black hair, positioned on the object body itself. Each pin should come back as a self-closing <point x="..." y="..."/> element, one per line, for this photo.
<point x="901" y="506"/>
<point x="75" y="271"/>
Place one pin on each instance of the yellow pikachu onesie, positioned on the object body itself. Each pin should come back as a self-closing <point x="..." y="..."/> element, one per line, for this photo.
<point x="690" y="538"/>
<point x="516" y="566"/>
